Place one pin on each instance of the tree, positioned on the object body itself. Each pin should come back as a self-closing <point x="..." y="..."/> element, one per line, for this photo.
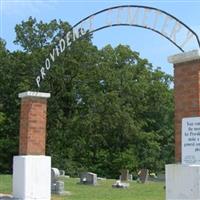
<point x="8" y="142"/>
<point x="109" y="109"/>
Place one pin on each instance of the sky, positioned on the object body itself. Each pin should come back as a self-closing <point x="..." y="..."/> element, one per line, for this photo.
<point x="149" y="44"/>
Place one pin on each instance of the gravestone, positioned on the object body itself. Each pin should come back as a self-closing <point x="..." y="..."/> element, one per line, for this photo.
<point x="54" y="177"/>
<point x="57" y="187"/>
<point x="124" y="175"/>
<point x="55" y="173"/>
<point x="62" y="172"/>
<point x="119" y="184"/>
<point x="88" y="178"/>
<point x="143" y="175"/>
<point x="130" y="177"/>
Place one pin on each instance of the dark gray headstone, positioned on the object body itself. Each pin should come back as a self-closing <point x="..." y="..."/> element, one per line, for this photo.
<point x="88" y="178"/>
<point x="124" y="175"/>
<point x="60" y="187"/>
<point x="143" y="175"/>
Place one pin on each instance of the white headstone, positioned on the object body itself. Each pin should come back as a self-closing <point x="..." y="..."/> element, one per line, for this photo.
<point x="191" y="141"/>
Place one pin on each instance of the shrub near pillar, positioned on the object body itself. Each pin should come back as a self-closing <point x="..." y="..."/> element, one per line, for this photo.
<point x="32" y="169"/>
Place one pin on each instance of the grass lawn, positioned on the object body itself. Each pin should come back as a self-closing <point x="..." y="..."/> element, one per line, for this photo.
<point x="103" y="191"/>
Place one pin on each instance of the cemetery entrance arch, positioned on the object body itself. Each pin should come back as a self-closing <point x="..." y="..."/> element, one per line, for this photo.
<point x="33" y="106"/>
<point x="186" y="65"/>
<point x="156" y="20"/>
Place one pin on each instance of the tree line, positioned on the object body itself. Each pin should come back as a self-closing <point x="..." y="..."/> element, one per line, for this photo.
<point x="109" y="108"/>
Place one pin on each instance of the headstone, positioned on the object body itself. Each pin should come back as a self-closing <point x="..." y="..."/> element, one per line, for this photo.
<point x="55" y="173"/>
<point x="60" y="187"/>
<point x="124" y="175"/>
<point x="88" y="178"/>
<point x="119" y="184"/>
<point x="57" y="187"/>
<point x="130" y="177"/>
<point x="143" y="175"/>
<point x="62" y="172"/>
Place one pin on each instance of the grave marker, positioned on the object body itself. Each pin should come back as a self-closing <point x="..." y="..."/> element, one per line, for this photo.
<point x="124" y="175"/>
<point x="57" y="186"/>
<point x="88" y="178"/>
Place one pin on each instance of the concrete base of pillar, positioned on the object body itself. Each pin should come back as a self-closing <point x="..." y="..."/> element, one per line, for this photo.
<point x="32" y="177"/>
<point x="182" y="182"/>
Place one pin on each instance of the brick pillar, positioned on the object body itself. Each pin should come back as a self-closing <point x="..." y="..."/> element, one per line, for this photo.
<point x="186" y="91"/>
<point x="32" y="139"/>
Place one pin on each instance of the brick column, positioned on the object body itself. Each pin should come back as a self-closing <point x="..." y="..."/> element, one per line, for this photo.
<point x="32" y="169"/>
<point x="33" y="123"/>
<point x="186" y="91"/>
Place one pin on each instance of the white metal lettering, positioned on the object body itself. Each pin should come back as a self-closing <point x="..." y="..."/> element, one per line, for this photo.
<point x="177" y="27"/>
<point x="189" y="36"/>
<point x="47" y="64"/>
<point x="165" y="25"/>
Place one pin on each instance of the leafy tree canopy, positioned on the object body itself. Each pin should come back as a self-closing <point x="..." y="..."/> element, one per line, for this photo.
<point x="110" y="109"/>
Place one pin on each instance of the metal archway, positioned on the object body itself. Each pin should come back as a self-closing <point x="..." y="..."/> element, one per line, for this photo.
<point x="164" y="24"/>
<point x="168" y="17"/>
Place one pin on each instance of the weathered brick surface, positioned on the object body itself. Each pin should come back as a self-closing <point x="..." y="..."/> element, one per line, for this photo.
<point x="187" y="97"/>
<point x="33" y="126"/>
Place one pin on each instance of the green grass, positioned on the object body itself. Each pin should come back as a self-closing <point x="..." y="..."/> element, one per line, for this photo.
<point x="103" y="191"/>
<point x="5" y="184"/>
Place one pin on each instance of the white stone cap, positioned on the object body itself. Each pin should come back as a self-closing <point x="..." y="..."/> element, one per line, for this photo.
<point x="31" y="157"/>
<point x="184" y="57"/>
<point x="34" y="94"/>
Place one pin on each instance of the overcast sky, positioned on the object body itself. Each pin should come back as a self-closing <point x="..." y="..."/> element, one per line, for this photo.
<point x="149" y="44"/>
